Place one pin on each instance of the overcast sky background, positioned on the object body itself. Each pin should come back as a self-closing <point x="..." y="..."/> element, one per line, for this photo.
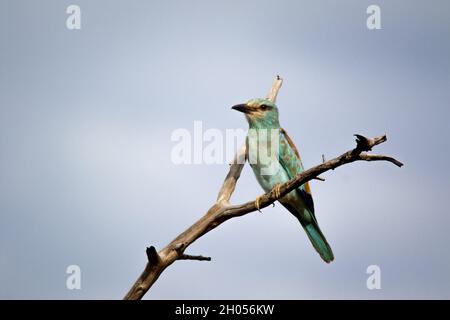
<point x="86" y="117"/>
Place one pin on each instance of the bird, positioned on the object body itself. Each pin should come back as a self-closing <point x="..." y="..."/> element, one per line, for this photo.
<point x="275" y="168"/>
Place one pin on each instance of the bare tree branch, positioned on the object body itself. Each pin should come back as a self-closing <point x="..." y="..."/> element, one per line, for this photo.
<point x="276" y="86"/>
<point x="232" y="177"/>
<point x="222" y="210"/>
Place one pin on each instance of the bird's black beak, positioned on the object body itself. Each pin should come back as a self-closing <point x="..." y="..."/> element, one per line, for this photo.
<point x="241" y="107"/>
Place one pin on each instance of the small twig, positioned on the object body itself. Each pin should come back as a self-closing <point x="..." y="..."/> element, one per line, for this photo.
<point x="374" y="157"/>
<point x="273" y="93"/>
<point x="191" y="257"/>
<point x="152" y="256"/>
<point x="366" y="144"/>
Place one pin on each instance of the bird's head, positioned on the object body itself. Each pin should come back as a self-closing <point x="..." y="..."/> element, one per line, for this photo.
<point x="260" y="113"/>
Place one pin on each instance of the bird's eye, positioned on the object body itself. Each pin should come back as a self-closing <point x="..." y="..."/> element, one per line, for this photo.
<point x="264" y="107"/>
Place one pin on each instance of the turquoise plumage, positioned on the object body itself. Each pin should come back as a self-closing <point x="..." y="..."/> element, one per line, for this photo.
<point x="275" y="160"/>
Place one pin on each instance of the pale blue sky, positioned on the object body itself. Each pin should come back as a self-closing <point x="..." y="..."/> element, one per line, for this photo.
<point x="85" y="124"/>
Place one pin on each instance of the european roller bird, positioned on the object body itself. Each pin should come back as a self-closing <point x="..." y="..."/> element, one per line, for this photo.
<point x="275" y="168"/>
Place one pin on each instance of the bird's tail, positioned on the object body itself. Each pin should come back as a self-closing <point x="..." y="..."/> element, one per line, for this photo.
<point x="309" y="223"/>
<point x="318" y="241"/>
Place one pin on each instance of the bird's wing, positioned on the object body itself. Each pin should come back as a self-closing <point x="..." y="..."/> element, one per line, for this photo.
<point x="291" y="162"/>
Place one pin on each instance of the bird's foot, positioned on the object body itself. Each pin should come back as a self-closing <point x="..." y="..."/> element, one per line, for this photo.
<point x="277" y="190"/>
<point x="257" y="203"/>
